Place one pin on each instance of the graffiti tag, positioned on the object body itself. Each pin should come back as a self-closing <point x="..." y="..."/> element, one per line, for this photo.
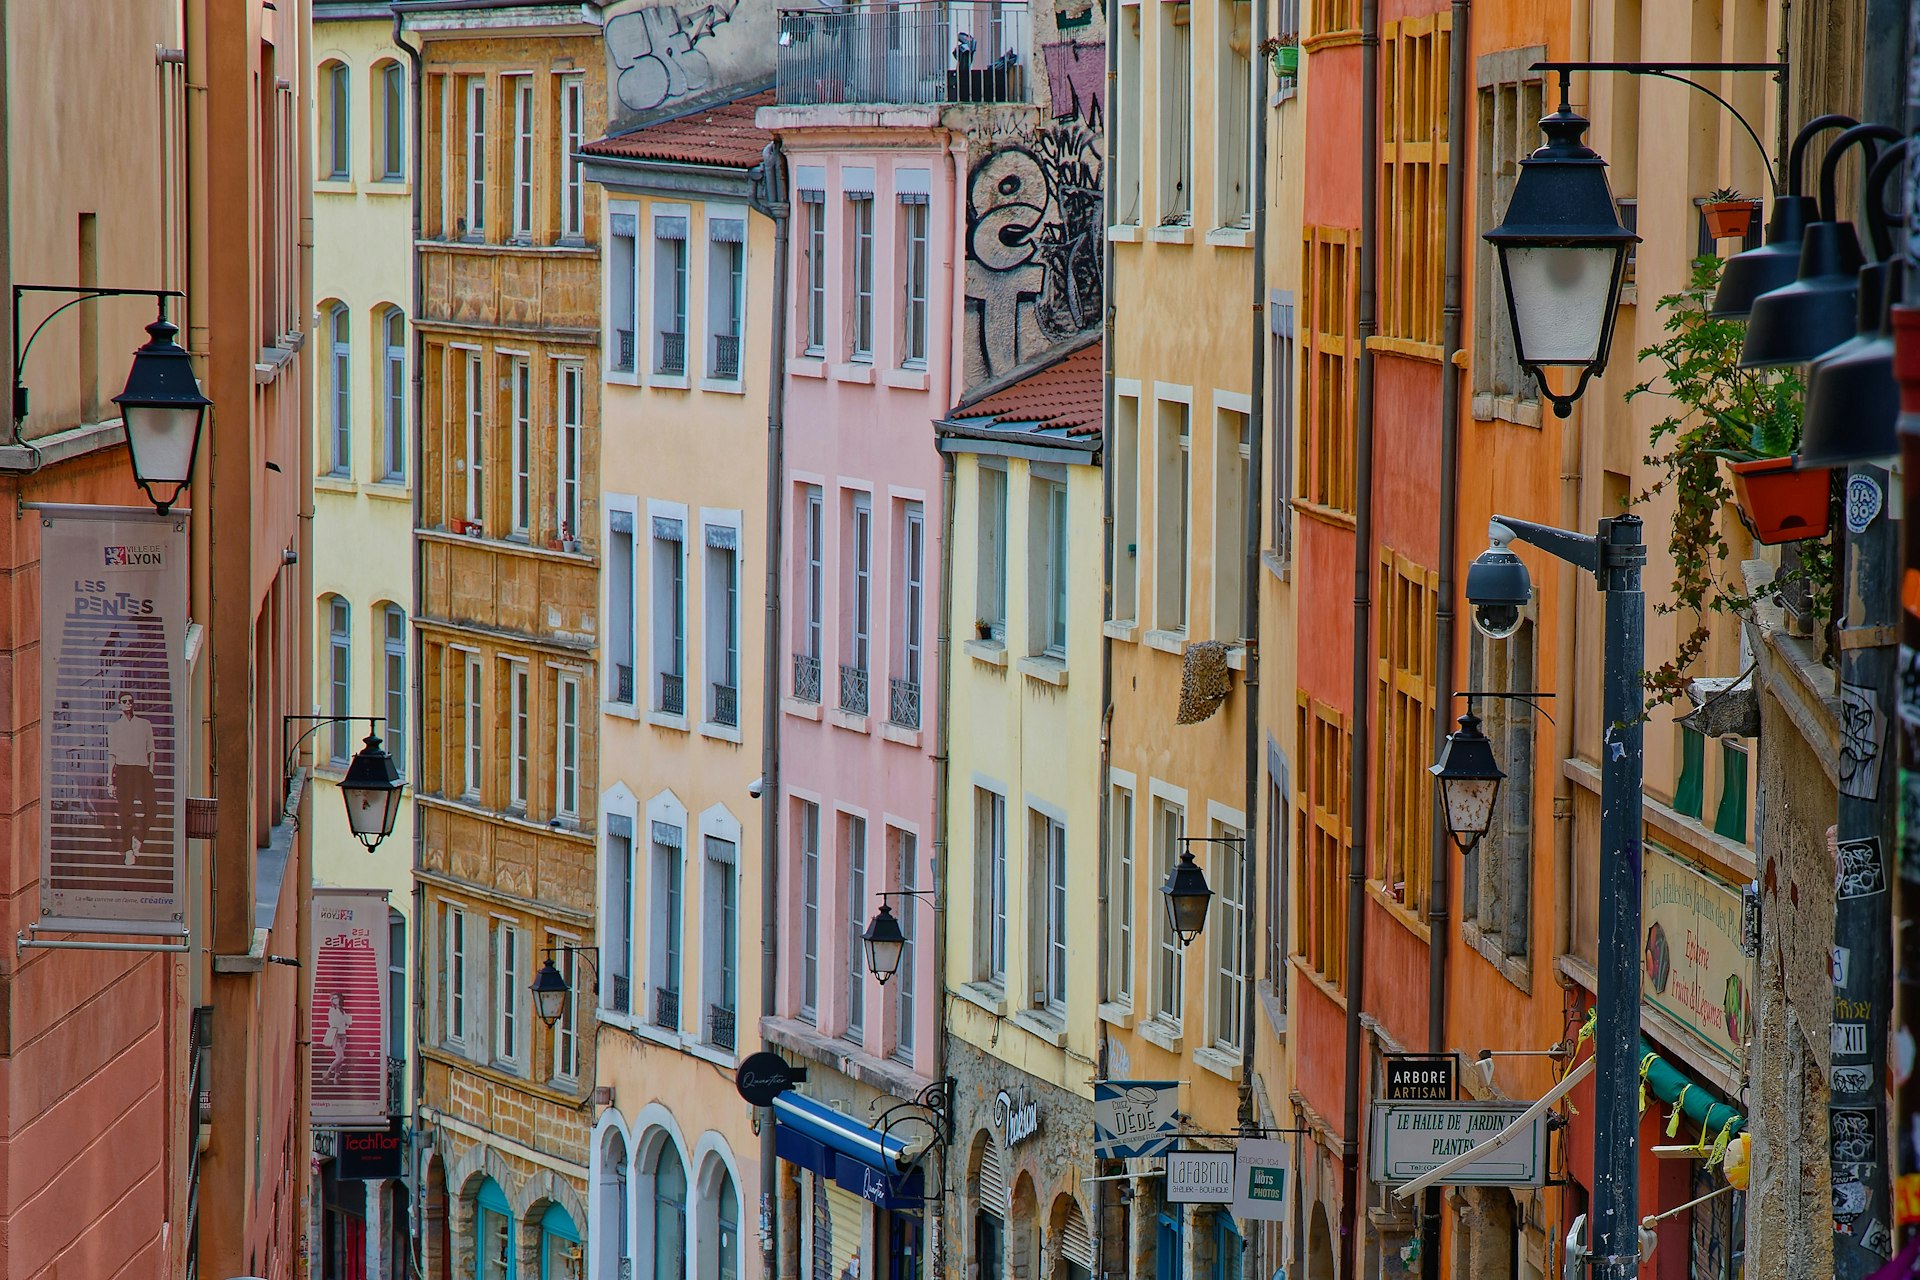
<point x="1862" y="730"/>
<point x="654" y="48"/>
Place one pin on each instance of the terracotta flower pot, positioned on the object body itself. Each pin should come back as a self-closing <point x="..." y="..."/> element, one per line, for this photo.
<point x="1780" y="503"/>
<point x="1728" y="219"/>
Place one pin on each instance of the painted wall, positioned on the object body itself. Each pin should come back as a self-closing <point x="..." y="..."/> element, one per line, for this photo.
<point x="668" y="57"/>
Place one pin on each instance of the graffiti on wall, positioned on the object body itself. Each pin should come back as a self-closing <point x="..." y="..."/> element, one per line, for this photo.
<point x="657" y="54"/>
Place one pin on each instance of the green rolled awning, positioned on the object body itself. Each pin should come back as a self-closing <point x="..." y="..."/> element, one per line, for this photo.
<point x="1699" y="1104"/>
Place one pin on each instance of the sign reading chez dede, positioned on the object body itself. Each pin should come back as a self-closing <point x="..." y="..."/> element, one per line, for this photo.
<point x="1133" y="1118"/>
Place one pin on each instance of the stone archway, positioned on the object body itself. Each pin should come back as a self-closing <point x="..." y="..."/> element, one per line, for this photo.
<point x="436" y="1223"/>
<point x="1320" y="1262"/>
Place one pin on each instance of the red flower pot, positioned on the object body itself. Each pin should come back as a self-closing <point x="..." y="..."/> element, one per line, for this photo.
<point x="1780" y="503"/>
<point x="1728" y="219"/>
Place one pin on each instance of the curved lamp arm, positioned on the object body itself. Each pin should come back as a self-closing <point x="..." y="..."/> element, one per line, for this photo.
<point x="1862" y="135"/>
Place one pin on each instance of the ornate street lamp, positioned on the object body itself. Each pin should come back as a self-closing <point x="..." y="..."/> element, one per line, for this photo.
<point x="163" y="409"/>
<point x="885" y="943"/>
<point x="1187" y="897"/>
<point x="372" y="788"/>
<point x="550" y="987"/>
<point x="1469" y="779"/>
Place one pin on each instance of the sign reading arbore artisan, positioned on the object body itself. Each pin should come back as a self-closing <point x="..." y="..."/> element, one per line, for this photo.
<point x="113" y="698"/>
<point x="1409" y="1138"/>
<point x="1199" y="1177"/>
<point x="1133" y="1118"/>
<point x="1420" y="1078"/>
<point x="1692" y="967"/>
<point x="349" y="1031"/>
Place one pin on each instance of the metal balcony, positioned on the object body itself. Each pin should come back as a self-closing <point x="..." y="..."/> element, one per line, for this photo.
<point x="673" y="354"/>
<point x="623" y="350"/>
<point x="853" y="690"/>
<point x="623" y="682"/>
<point x="903" y="703"/>
<point x="619" y="993"/>
<point x="927" y="52"/>
<point x="720" y="1027"/>
<point x="666" y="1008"/>
<point x="726" y="705"/>
<point x="396" y="1086"/>
<point x="726" y="357"/>
<point x="806" y="678"/>
<point x="673" y="694"/>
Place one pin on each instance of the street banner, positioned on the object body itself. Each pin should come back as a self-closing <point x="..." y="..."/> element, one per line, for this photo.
<point x="1692" y="968"/>
<point x="113" y="698"/>
<point x="1199" y="1177"/>
<point x="1409" y="1138"/>
<point x="1133" y="1118"/>
<point x="349" y="1032"/>
<point x="1260" y="1177"/>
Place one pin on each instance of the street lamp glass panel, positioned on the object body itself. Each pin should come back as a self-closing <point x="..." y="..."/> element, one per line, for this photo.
<point x="1469" y="779"/>
<point x="1187" y="897"/>
<point x="550" y="992"/>
<point x="1562" y="299"/>
<point x="884" y="942"/>
<point x="372" y="789"/>
<point x="163" y="409"/>
<point x="1469" y="804"/>
<point x="162" y="439"/>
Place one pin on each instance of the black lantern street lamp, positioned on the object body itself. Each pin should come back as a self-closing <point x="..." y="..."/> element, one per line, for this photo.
<point x="1469" y="779"/>
<point x="163" y="409"/>
<point x="372" y="788"/>
<point x="1563" y="257"/>
<point x="550" y="992"/>
<point x="1187" y="897"/>
<point x="885" y="943"/>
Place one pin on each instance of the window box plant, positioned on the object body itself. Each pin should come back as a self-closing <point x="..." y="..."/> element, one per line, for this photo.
<point x="1285" y="52"/>
<point x="1729" y="214"/>
<point x="1781" y="504"/>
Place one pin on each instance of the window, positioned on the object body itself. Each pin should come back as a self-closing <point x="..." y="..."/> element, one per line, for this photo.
<point x="1414" y="153"/>
<point x="669" y="1214"/>
<point x="337" y="120"/>
<point x="728" y="1244"/>
<point x="392" y="165"/>
<point x="1280" y="413"/>
<point x="726" y="295"/>
<point x="1730" y="816"/>
<point x="722" y="593"/>
<point x="617" y="992"/>
<point x="394" y="682"/>
<point x="1170" y="824"/>
<point x="573" y="378"/>
<point x="453" y="936"/>
<point x="1496" y="877"/>
<point x="566" y="780"/>
<point x="1405" y="696"/>
<point x="620" y="606"/>
<point x="806" y="663"/>
<point x="809" y="830"/>
<point x="913" y="301"/>
<point x="475" y="225"/>
<point x="623" y="289"/>
<point x="521" y="385"/>
<point x="1176" y="113"/>
<point x="1227" y="1246"/>
<point x="904" y="706"/>
<point x="1279" y="814"/>
<point x="509" y="981"/>
<point x="396" y="983"/>
<point x="1118" y="870"/>
<point x="1125" y="461"/>
<point x="340" y="389"/>
<point x="667" y="924"/>
<point x="720" y="932"/>
<point x="990" y="886"/>
<point x="854" y="672"/>
<point x="474" y="727"/>
<point x="855" y="835"/>
<point x="518" y="733"/>
<point x="1233" y="122"/>
<point x="860" y="263"/>
<point x="815" y="204"/>
<point x="670" y="614"/>
<point x="1126" y="146"/>
<point x="1333" y="362"/>
<point x="1173" y="500"/>
<point x="670" y="294"/>
<point x="1330" y="16"/>
<point x="1227" y="923"/>
<point x="493" y="1233"/>
<point x="1049" y="976"/>
<point x="573" y="112"/>
<point x="476" y="443"/>
<point x="520" y="94"/>
<point x="1232" y="455"/>
<point x="1509" y="124"/>
<point x="906" y="879"/>
<point x="1320" y="920"/>
<point x="339" y="678"/>
<point x="566" y="1028"/>
<point x="1170" y="1244"/>
<point x="393" y="374"/>
<point x="992" y="564"/>
<point x="1047" y="578"/>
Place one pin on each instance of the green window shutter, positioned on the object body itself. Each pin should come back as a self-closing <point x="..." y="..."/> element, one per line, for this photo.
<point x="1730" y="819"/>
<point x="1688" y="794"/>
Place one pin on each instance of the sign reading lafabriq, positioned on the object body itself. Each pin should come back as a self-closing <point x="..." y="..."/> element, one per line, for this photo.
<point x="1691" y="966"/>
<point x="1200" y="1177"/>
<point x="113" y="698"/>
<point x="1133" y="1118"/>
<point x="1407" y="1139"/>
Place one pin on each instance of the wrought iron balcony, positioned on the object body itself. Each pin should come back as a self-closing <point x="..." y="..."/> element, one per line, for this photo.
<point x="903" y="703"/>
<point x="720" y="1027"/>
<point x="673" y="353"/>
<point x="853" y="690"/>
<point x="726" y="357"/>
<point x="921" y="51"/>
<point x="623" y="350"/>
<point x="666" y="1008"/>
<point x="726" y="705"/>
<point x="619" y="993"/>
<point x="623" y="682"/>
<point x="396" y="1086"/>
<point x="806" y="678"/>
<point x="673" y="694"/>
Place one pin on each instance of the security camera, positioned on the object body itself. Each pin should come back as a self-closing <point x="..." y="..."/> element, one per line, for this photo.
<point x="1498" y="587"/>
<point x="757" y="786"/>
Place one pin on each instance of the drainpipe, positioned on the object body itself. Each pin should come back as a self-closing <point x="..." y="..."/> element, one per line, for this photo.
<point x="1440" y="851"/>
<point x="1250" y="586"/>
<point x="1109" y="559"/>
<point x="770" y="198"/>
<point x="1362" y="633"/>
<point x="302" y="580"/>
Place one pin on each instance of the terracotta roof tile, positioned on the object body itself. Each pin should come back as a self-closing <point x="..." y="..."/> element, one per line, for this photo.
<point x="1063" y="396"/>
<point x="722" y="135"/>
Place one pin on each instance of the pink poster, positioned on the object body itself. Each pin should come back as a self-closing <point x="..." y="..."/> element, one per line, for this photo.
<point x="349" y="1033"/>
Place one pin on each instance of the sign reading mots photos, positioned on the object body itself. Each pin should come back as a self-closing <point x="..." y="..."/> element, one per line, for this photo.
<point x="1406" y="1139"/>
<point x="113" y="698"/>
<point x="1691" y="966"/>
<point x="1415" y="1078"/>
<point x="349" y="1031"/>
<point x="1260" y="1180"/>
<point x="1133" y="1118"/>
<point x="1199" y="1177"/>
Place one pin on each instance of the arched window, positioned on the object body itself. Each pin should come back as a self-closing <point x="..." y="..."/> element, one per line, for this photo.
<point x="669" y="1214"/>
<point x="393" y="681"/>
<point x="729" y="1233"/>
<point x="393" y="394"/>
<point x="560" y="1257"/>
<point x="492" y="1234"/>
<point x="718" y="1226"/>
<point x="339" y="676"/>
<point x="336" y="122"/>
<point x="609" y="1226"/>
<point x="340" y="389"/>
<point x="390" y="121"/>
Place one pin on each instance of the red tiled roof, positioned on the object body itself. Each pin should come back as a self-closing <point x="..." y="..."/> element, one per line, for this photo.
<point x="720" y="135"/>
<point x="1065" y="396"/>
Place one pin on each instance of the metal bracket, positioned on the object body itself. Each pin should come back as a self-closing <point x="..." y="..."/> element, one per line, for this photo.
<point x="26" y="939"/>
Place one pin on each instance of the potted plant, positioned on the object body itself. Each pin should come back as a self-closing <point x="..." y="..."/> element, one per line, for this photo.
<point x="1779" y="503"/>
<point x="567" y="541"/>
<point x="1729" y="214"/>
<point x="983" y="628"/>
<point x="1285" y="52"/>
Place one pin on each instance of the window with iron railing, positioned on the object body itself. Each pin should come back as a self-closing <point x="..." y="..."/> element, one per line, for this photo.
<point x="669" y="613"/>
<point x="726" y="295"/>
<point x="623" y="285"/>
<point x="670" y="294"/>
<point x="722" y="601"/>
<point x="921" y="51"/>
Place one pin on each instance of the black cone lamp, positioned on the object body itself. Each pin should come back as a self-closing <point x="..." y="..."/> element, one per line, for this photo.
<point x="1777" y="262"/>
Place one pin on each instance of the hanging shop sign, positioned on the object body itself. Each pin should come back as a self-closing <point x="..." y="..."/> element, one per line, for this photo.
<point x="1693" y="967"/>
<point x="1199" y="1177"/>
<point x="373" y="1154"/>
<point x="1420" y="1078"/>
<point x="1018" y="1119"/>
<point x="765" y="1076"/>
<point x="113" y="694"/>
<point x="1406" y="1139"/>
<point x="349" y="1031"/>
<point x="1260" y="1179"/>
<point x="1133" y="1118"/>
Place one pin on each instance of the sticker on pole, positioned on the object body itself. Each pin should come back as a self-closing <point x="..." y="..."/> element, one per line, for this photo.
<point x="1864" y="501"/>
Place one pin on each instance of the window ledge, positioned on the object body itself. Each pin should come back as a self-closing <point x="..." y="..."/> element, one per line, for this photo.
<point x="1128" y="233"/>
<point x="1167" y="641"/>
<point x="1042" y="1025"/>
<point x="1118" y="630"/>
<point x="1236" y="657"/>
<point x="905" y="379"/>
<point x="847" y="720"/>
<point x="725" y="733"/>
<point x="661" y="720"/>
<point x="1045" y="669"/>
<point x="669" y="382"/>
<point x="860" y="371"/>
<point x="900" y="733"/>
<point x="1399" y="910"/>
<point x="707" y="1053"/>
<point x="724" y="386"/>
<point x="1222" y="1062"/>
<point x="1513" y="968"/>
<point x="991" y="652"/>
<point x="806" y="367"/>
<point x="805" y="710"/>
<point x="1160" y="1031"/>
<point x="389" y="187"/>
<point x="658" y="1035"/>
<point x="624" y="710"/>
<point x="1171" y="235"/>
<point x="1279" y="568"/>
<point x="330" y="483"/>
<point x="389" y="491"/>
<point x="1491" y="408"/>
<point x="991" y="999"/>
<point x="1116" y="1015"/>
<point x="334" y="186"/>
<point x="1230" y="238"/>
<point x="620" y="377"/>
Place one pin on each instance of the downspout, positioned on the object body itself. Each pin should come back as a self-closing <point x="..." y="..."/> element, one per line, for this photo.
<point x="302" y="573"/>
<point x="1356" y="986"/>
<point x="1251" y="574"/>
<point x="770" y="198"/>
<point x="1109" y="560"/>
<point x="1440" y="850"/>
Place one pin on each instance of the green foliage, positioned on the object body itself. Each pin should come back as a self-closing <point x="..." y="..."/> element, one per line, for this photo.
<point x="1717" y="410"/>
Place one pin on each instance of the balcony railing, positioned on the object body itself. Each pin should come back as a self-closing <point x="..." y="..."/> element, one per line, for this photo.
<point x="921" y="51"/>
<point x="623" y="350"/>
<point x="673" y="694"/>
<point x="720" y="1027"/>
<point x="853" y="690"/>
<point x="726" y="705"/>
<point x="726" y="357"/>
<point x="666" y="1008"/>
<point x="619" y="993"/>
<point x="673" y="353"/>
<point x="806" y="678"/>
<point x="396" y="1086"/>
<point x="903" y="703"/>
<point x="623" y="682"/>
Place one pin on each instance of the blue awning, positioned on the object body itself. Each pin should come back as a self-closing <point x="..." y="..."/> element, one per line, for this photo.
<point x="865" y="1161"/>
<point x="838" y="1132"/>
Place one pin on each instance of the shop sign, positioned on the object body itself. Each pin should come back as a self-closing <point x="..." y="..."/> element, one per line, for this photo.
<point x="1133" y="1118"/>
<point x="1420" y="1078"/>
<point x="372" y="1153"/>
<point x="1018" y="1121"/>
<point x="1199" y="1177"/>
<point x="1407" y="1139"/>
<point x="349" y="1032"/>
<point x="1260" y="1180"/>
<point x="1693" y="966"/>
